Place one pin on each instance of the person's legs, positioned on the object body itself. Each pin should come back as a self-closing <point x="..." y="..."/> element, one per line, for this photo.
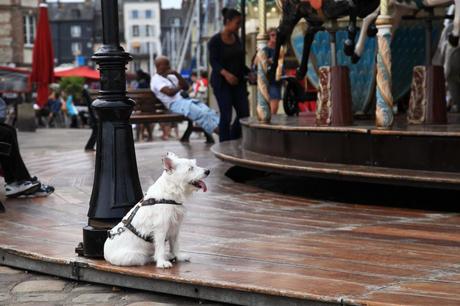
<point x="166" y="129"/>
<point x="274" y="91"/>
<point x="224" y="100"/>
<point x="211" y="118"/>
<point x="13" y="166"/>
<point x="197" y="112"/>
<point x="17" y="178"/>
<point x="241" y="105"/>
<point x="74" y="121"/>
<point x="92" y="139"/>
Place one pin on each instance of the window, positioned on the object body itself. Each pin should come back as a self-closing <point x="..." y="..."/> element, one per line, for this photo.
<point x="134" y="14"/>
<point x="75" y="31"/>
<point x="135" y="30"/>
<point x="29" y="29"/>
<point x="76" y="48"/>
<point x="148" y="14"/>
<point x="147" y="30"/>
<point x="152" y="47"/>
<point x="175" y="22"/>
<point x="76" y="14"/>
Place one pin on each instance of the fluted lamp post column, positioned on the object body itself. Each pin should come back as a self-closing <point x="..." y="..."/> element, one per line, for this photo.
<point x="116" y="186"/>
<point x="384" y="107"/>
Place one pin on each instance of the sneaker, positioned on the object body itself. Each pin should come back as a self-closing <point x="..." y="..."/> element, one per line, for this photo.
<point x="16" y="189"/>
<point x="42" y="191"/>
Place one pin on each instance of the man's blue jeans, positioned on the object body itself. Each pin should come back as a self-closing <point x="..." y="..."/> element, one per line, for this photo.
<point x="198" y="112"/>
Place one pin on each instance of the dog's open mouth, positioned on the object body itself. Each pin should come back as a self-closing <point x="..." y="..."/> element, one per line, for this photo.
<point x="200" y="185"/>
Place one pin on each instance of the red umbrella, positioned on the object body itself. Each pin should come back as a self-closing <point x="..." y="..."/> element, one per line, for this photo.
<point x="43" y="57"/>
<point x="83" y="72"/>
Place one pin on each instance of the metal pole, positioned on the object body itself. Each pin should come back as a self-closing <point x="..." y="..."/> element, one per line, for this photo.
<point x="243" y="29"/>
<point x="198" y="38"/>
<point x="151" y="58"/>
<point x="116" y="186"/>
<point x="333" y="43"/>
<point x="429" y="37"/>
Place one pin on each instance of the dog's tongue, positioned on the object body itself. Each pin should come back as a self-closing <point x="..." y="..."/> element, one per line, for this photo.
<point x="203" y="186"/>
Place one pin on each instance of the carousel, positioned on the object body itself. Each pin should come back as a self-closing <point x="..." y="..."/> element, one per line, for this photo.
<point x="386" y="75"/>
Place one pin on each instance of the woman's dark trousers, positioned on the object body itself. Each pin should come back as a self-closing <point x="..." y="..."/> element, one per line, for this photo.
<point x="229" y="97"/>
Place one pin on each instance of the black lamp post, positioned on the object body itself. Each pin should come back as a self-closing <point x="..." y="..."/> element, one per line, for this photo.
<point x="116" y="186"/>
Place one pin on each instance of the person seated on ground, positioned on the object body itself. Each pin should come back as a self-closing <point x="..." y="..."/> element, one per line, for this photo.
<point x="18" y="181"/>
<point x="171" y="89"/>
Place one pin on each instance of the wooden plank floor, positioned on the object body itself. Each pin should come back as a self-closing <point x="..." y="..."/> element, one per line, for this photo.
<point x="245" y="239"/>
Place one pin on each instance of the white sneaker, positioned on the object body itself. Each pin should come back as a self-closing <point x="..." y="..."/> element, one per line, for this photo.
<point x="42" y="191"/>
<point x="16" y="189"/>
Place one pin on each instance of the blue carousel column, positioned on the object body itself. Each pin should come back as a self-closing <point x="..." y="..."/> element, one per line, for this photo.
<point x="263" y="110"/>
<point x="384" y="107"/>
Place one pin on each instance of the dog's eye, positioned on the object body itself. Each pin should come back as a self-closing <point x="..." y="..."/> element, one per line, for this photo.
<point x="190" y="169"/>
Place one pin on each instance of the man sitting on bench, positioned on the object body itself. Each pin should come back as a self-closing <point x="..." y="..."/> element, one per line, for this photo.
<point x="170" y="88"/>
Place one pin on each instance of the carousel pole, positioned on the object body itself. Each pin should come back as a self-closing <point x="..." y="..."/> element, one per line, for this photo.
<point x="263" y="99"/>
<point x="384" y="109"/>
<point x="116" y="186"/>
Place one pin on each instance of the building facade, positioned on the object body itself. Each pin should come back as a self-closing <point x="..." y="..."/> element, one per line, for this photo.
<point x="172" y="29"/>
<point x="142" y="32"/>
<point x="18" y="19"/>
<point x="72" y="27"/>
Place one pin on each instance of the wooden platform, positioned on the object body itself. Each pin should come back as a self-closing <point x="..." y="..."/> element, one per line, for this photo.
<point x="407" y="154"/>
<point x="248" y="246"/>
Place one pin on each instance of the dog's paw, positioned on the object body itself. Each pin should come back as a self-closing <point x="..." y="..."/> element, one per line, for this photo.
<point x="164" y="264"/>
<point x="183" y="257"/>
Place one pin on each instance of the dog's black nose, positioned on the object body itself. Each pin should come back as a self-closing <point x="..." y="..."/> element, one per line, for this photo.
<point x="207" y="172"/>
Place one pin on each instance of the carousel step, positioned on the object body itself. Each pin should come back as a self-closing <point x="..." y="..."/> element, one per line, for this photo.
<point x="232" y="152"/>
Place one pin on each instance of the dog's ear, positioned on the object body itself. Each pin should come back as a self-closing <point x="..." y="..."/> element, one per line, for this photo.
<point x="168" y="164"/>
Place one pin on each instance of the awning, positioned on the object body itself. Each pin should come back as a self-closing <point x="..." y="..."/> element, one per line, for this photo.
<point x="83" y="72"/>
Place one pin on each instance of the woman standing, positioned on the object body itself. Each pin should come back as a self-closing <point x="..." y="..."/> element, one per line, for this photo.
<point x="226" y="56"/>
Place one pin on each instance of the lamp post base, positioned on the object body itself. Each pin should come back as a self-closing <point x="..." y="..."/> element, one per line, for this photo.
<point x="93" y="242"/>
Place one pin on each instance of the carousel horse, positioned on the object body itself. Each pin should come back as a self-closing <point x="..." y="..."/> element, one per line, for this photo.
<point x="316" y="13"/>
<point x="403" y="7"/>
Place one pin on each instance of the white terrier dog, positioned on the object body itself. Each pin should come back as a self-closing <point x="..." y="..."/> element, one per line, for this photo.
<point x="141" y="236"/>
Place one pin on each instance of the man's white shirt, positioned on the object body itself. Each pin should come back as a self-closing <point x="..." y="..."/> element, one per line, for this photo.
<point x="158" y="82"/>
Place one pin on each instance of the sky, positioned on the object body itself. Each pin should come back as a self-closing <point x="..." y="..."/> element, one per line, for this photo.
<point x="164" y="3"/>
<point x="171" y="3"/>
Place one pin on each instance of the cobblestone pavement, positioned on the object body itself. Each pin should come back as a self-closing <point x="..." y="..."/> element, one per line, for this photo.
<point x="18" y="287"/>
<point x="21" y="288"/>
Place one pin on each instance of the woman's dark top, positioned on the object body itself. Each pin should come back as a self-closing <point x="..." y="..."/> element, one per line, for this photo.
<point x="226" y="56"/>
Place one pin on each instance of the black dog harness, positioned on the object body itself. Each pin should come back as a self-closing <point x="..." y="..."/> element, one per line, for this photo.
<point x="127" y="222"/>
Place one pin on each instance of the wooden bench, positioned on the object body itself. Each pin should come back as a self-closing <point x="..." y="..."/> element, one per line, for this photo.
<point x="149" y="109"/>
